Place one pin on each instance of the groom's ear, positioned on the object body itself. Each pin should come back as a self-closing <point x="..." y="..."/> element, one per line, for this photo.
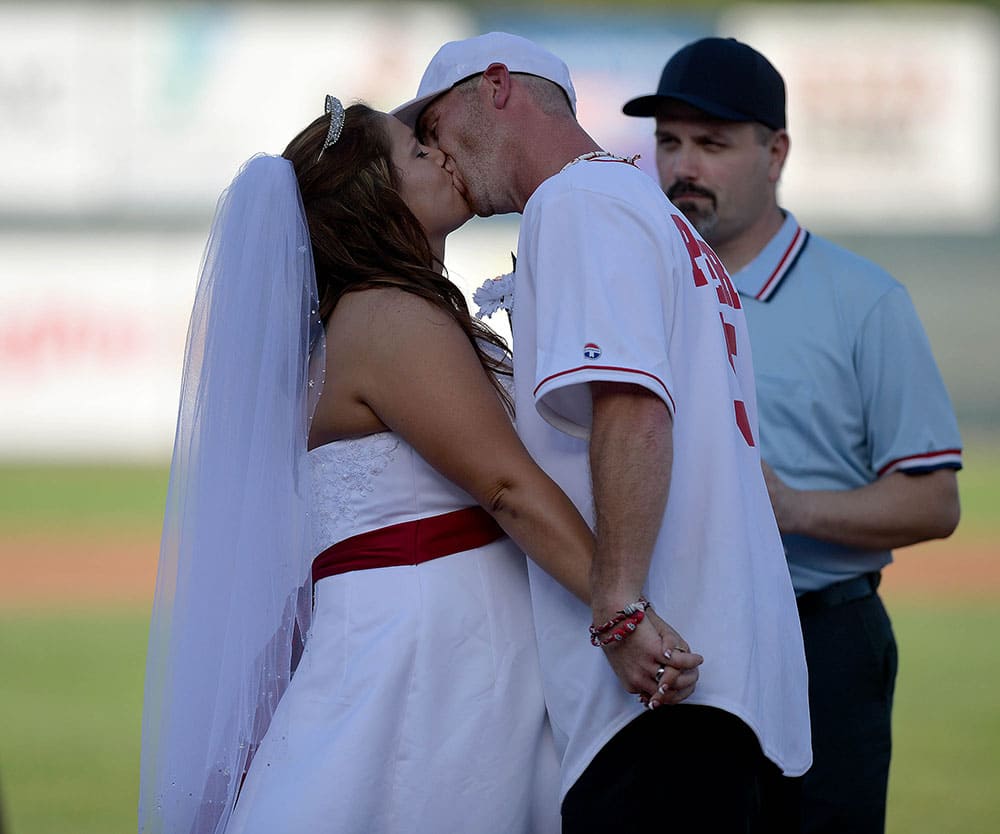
<point x="497" y="80"/>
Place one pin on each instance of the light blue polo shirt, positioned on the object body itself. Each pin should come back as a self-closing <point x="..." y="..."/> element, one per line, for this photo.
<point x="847" y="386"/>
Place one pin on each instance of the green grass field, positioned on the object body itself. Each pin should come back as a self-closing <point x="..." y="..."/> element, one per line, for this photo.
<point x="70" y="499"/>
<point x="71" y="681"/>
<point x="71" y="701"/>
<point x="979" y="485"/>
<point x="71" y="697"/>
<point x="946" y="721"/>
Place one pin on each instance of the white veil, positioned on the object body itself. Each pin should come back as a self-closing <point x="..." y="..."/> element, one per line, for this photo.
<point x="233" y="592"/>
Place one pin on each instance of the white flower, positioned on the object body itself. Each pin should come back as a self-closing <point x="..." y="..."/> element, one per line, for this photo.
<point x="495" y="294"/>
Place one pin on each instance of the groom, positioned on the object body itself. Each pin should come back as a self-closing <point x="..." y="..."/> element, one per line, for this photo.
<point x="635" y="393"/>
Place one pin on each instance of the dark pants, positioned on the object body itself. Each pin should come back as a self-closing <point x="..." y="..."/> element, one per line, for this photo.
<point x="851" y="655"/>
<point x="682" y="768"/>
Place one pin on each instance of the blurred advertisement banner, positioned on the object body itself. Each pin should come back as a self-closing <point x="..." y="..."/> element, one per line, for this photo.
<point x="92" y="332"/>
<point x="110" y="108"/>
<point x="91" y="343"/>
<point x="122" y="124"/>
<point x="894" y="113"/>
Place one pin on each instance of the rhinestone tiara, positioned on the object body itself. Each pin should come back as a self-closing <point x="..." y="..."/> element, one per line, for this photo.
<point x="336" y="112"/>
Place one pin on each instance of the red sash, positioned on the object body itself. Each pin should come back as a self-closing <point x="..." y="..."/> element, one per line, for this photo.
<point x="409" y="543"/>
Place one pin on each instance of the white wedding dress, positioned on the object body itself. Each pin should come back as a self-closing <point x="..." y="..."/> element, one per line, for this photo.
<point x="417" y="705"/>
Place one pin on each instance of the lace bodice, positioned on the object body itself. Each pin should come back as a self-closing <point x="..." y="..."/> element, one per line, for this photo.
<point x="369" y="482"/>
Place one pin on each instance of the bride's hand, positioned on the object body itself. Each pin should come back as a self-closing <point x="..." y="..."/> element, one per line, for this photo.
<point x="679" y="674"/>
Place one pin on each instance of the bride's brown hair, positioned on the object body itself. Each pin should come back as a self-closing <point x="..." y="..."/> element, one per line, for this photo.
<point x="363" y="233"/>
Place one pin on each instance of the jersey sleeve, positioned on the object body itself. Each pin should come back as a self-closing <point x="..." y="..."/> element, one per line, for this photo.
<point x="911" y="426"/>
<point x="603" y="305"/>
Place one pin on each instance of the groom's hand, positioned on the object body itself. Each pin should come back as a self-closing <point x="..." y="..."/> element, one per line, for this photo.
<point x="655" y="663"/>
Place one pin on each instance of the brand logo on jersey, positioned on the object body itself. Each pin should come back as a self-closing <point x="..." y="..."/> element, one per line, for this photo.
<point x="591" y="351"/>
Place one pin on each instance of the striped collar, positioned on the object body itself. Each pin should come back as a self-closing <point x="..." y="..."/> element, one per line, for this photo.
<point x="761" y="277"/>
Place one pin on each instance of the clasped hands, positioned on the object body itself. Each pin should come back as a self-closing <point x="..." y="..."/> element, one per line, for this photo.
<point x="655" y="663"/>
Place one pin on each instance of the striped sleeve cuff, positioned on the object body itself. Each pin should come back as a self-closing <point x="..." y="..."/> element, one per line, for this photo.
<point x="926" y="462"/>
<point x="606" y="373"/>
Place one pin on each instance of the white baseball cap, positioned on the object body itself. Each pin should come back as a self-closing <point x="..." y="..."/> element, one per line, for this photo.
<point x="458" y="60"/>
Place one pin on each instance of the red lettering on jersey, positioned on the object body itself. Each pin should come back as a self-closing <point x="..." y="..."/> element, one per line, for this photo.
<point x="725" y="289"/>
<point x="698" y="249"/>
<point x="743" y="421"/>
<point x="729" y="333"/>
<point x="726" y="292"/>
<point x="693" y="250"/>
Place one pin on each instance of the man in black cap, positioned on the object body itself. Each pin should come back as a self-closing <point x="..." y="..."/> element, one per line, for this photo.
<point x="857" y="433"/>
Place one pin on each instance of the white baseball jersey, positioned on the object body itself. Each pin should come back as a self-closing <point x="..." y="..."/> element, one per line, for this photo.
<point x="613" y="284"/>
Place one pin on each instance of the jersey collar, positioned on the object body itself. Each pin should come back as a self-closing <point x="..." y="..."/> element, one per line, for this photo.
<point x="761" y="277"/>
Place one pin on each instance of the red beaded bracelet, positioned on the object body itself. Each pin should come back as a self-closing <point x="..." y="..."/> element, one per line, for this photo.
<point x="619" y="633"/>
<point x="627" y="620"/>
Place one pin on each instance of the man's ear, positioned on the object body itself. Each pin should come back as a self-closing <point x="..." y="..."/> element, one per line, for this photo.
<point x="496" y="78"/>
<point x="778" y="152"/>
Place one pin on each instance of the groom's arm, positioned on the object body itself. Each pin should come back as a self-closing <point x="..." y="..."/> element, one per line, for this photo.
<point x="631" y="453"/>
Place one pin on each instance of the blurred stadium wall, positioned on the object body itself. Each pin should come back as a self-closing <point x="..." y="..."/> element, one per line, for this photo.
<point x="120" y="123"/>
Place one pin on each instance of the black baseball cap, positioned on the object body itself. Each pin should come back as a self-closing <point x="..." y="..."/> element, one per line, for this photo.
<point x="723" y="77"/>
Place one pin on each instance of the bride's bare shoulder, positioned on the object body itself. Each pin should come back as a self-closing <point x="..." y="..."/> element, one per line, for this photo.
<point x="374" y="310"/>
